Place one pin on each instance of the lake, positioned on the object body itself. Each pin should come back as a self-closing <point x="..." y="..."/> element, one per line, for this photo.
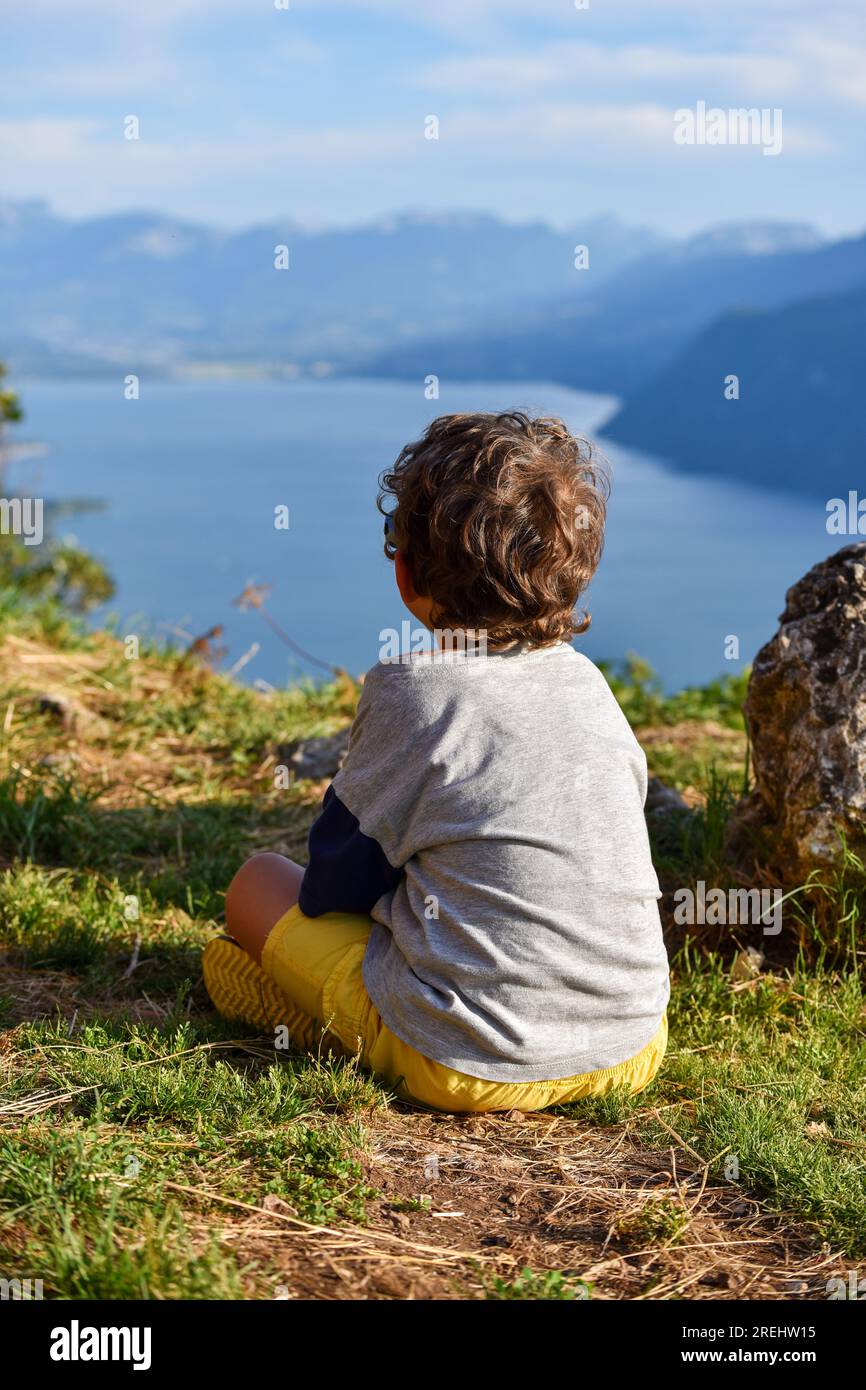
<point x="190" y="475"/>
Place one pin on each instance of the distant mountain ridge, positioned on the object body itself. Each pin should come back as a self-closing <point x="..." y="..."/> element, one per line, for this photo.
<point x="619" y="333"/>
<point x="458" y="294"/>
<point x="147" y="289"/>
<point x="796" y="416"/>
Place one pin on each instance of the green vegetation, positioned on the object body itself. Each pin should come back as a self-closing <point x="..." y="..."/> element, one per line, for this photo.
<point x="767" y="1077"/>
<point x="39" y="582"/>
<point x="640" y="693"/>
<point x="765" y="1080"/>
<point x="660" y="1221"/>
<point x="10" y="405"/>
<point x="552" y="1284"/>
<point x="52" y="573"/>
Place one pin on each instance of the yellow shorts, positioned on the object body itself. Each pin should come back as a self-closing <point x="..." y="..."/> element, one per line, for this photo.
<point x="316" y="964"/>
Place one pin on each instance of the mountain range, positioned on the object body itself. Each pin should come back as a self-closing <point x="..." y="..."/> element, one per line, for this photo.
<point x="141" y="289"/>
<point x="620" y="333"/>
<point x="657" y="322"/>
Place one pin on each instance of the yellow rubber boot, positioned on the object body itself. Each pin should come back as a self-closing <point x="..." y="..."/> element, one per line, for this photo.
<point x="240" y="990"/>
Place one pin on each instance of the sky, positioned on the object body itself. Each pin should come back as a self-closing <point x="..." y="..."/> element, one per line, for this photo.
<point x="249" y="112"/>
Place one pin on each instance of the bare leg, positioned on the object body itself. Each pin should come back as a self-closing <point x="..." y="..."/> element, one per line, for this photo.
<point x="260" y="893"/>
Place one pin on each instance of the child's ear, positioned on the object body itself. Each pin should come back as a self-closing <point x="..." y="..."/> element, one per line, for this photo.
<point x="404" y="579"/>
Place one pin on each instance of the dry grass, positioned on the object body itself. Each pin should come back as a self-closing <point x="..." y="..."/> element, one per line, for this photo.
<point x="528" y="1192"/>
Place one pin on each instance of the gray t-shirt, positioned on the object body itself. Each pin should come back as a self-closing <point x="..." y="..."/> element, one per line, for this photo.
<point x="523" y="940"/>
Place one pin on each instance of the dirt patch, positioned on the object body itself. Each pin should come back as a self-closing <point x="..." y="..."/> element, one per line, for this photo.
<point x="467" y="1201"/>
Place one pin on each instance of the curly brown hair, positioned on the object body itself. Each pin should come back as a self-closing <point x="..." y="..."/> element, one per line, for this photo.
<point x="501" y="519"/>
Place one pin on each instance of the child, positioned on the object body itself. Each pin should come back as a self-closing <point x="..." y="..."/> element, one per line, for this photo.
<point x="479" y="917"/>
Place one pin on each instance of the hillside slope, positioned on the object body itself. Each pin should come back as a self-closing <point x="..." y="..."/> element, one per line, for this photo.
<point x="800" y="419"/>
<point x="149" y="1149"/>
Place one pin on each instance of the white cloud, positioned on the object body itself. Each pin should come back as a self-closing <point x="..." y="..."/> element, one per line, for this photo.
<point x="86" y="167"/>
<point x="42" y="141"/>
<point x="462" y="19"/>
<point x="556" y="125"/>
<point x="125" y="76"/>
<point x="585" y="132"/>
<point x="592" y="64"/>
<point x="833" y="67"/>
<point x="151" y="14"/>
<point x="469" y="19"/>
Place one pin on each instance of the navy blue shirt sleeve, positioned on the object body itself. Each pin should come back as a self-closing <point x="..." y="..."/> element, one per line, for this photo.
<point x="348" y="871"/>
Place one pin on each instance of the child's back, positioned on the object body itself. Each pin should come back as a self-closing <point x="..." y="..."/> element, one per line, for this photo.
<point x="523" y="939"/>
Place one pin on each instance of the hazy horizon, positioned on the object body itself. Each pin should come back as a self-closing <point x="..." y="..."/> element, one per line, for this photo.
<point x="546" y="112"/>
<point x="420" y="214"/>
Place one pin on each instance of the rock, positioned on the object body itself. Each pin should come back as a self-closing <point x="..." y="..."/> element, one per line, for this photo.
<point x="73" y="717"/>
<point x="316" y="758"/>
<point x="271" y="1202"/>
<point x="58" y="761"/>
<point x="662" y="799"/>
<point x="747" y="965"/>
<point x="806" y="717"/>
<point x="666" y="815"/>
<point x="58" y="707"/>
<point x="817" y="1129"/>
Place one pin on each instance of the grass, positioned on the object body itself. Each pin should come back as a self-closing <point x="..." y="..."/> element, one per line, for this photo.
<point x="134" y="1122"/>
<point x="766" y="1083"/>
<point x="643" y="699"/>
<point x="770" y="1081"/>
<point x="135" y="1117"/>
<point x="550" y="1285"/>
<point x="660" y="1221"/>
